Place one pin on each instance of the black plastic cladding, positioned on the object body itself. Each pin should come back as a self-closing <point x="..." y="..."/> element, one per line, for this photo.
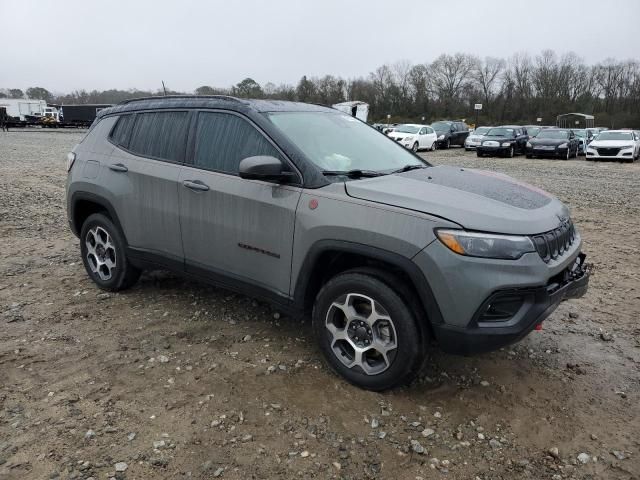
<point x="552" y="244"/>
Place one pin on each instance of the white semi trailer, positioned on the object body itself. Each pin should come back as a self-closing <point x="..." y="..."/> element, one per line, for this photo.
<point x="22" y="111"/>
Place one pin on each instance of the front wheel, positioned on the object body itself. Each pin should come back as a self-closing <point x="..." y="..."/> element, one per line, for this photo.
<point x="434" y="146"/>
<point x="448" y="144"/>
<point x="414" y="148"/>
<point x="568" y="156"/>
<point x="510" y="152"/>
<point x="367" y="332"/>
<point x="103" y="254"/>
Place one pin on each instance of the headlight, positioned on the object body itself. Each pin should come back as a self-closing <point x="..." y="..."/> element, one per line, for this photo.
<point x="529" y="145"/>
<point x="71" y="158"/>
<point x="486" y="245"/>
<point x="562" y="145"/>
<point x="408" y="139"/>
<point x="441" y="137"/>
<point x="506" y="144"/>
<point x="626" y="148"/>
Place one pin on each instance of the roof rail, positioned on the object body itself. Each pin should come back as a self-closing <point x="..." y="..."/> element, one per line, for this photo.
<point x="160" y="97"/>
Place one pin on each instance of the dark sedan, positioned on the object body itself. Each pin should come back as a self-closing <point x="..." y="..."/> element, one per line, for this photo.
<point x="553" y="142"/>
<point x="503" y="141"/>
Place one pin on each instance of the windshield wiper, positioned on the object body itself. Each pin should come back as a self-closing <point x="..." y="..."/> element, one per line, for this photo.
<point x="356" y="173"/>
<point x="406" y="168"/>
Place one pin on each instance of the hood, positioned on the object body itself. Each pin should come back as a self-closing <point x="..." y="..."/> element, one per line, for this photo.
<point x="612" y="143"/>
<point x="498" y="138"/>
<point x="474" y="199"/>
<point x="401" y="134"/>
<point x="553" y="142"/>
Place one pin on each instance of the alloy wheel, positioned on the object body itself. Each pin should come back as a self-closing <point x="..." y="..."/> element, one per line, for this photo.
<point x="101" y="253"/>
<point x="362" y="334"/>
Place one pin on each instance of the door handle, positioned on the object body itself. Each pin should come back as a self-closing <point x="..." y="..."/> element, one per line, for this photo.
<point x="118" y="167"/>
<point x="196" y="185"/>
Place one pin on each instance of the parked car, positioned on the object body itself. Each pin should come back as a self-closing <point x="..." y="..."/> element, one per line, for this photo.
<point x="415" y="137"/>
<point x="621" y="145"/>
<point x="475" y="138"/>
<point x="309" y="208"/>
<point x="503" y="141"/>
<point x="553" y="142"/>
<point x="451" y="133"/>
<point x="584" y="137"/>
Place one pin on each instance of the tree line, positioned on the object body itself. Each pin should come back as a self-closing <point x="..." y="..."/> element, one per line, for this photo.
<point x="518" y="89"/>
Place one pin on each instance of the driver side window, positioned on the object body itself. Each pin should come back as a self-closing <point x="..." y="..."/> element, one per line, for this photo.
<point x="422" y="131"/>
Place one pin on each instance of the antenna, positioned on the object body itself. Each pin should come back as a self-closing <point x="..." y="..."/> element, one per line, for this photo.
<point x="164" y="88"/>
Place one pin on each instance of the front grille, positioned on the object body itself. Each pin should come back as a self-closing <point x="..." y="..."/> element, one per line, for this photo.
<point x="608" y="152"/>
<point x="551" y="245"/>
<point x="491" y="143"/>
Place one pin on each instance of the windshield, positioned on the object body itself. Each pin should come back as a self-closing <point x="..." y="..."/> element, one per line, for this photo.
<point x="441" y="126"/>
<point x="340" y="142"/>
<point x="500" y="132"/>
<point x="481" y="130"/>
<point x="554" y="134"/>
<point x="614" y="136"/>
<point x="580" y="133"/>
<point x="407" y="129"/>
<point x="533" y="131"/>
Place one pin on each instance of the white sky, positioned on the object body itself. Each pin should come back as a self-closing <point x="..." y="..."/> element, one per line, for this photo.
<point x="64" y="45"/>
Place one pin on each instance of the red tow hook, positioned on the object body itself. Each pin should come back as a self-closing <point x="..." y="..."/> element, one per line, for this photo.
<point x="538" y="327"/>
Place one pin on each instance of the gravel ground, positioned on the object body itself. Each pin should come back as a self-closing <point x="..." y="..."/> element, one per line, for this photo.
<point x="175" y="379"/>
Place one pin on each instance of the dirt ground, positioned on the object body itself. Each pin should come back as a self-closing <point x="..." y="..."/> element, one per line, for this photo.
<point x="175" y="379"/>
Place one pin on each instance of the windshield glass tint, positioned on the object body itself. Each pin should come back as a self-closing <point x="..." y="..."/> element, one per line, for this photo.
<point x="533" y="131"/>
<point x="340" y="142"/>
<point x="441" y="126"/>
<point x="554" y="134"/>
<point x="614" y="136"/>
<point x="481" y="130"/>
<point x="500" y="132"/>
<point x="580" y="133"/>
<point x="407" y="129"/>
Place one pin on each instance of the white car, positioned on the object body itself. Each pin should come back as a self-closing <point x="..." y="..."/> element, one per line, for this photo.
<point x="416" y="137"/>
<point x="474" y="139"/>
<point x="621" y="145"/>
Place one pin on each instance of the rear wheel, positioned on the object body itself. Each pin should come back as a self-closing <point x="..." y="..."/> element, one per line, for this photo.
<point x="367" y="333"/>
<point x="103" y="254"/>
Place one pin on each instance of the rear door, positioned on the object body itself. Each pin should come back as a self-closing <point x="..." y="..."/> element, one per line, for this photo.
<point x="143" y="173"/>
<point x="235" y="230"/>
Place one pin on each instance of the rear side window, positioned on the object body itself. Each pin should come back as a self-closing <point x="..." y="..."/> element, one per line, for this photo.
<point x="223" y="140"/>
<point x="121" y="133"/>
<point x="161" y="135"/>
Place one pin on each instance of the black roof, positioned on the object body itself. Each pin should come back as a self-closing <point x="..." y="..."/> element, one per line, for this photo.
<point x="212" y="101"/>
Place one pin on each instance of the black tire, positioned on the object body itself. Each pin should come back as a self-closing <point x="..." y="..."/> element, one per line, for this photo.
<point x="123" y="275"/>
<point x="529" y="156"/>
<point x="511" y="152"/>
<point x="415" y="147"/>
<point x="434" y="146"/>
<point x="479" y="154"/>
<point x="568" y="156"/>
<point x="448" y="144"/>
<point x="404" y="361"/>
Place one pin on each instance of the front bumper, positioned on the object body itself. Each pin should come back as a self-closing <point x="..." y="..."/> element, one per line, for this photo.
<point x="538" y="304"/>
<point x="484" y="150"/>
<point x="593" y="154"/>
<point x="468" y="289"/>
<point x="555" y="153"/>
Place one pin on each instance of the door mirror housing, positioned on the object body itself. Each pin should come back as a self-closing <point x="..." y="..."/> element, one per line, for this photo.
<point x="263" y="167"/>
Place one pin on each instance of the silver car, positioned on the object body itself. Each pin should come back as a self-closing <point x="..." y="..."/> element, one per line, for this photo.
<point x="325" y="217"/>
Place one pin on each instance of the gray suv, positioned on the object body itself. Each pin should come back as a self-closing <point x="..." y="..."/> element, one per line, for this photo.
<point x="322" y="215"/>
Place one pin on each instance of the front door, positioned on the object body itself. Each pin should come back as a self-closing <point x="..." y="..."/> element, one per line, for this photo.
<point x="233" y="228"/>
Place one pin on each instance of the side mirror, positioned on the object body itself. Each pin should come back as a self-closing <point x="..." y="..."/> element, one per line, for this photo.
<point x="263" y="167"/>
